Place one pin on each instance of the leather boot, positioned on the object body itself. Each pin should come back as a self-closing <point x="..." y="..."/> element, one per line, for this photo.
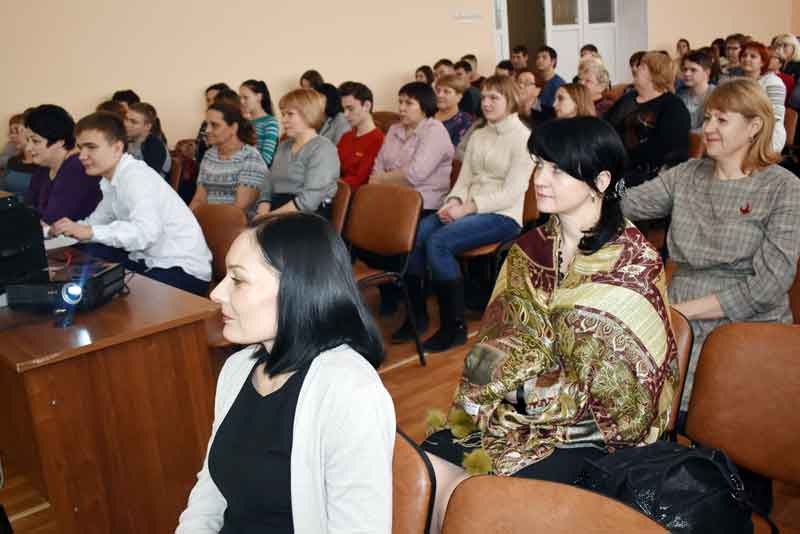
<point x="452" y="328"/>
<point x="416" y="294"/>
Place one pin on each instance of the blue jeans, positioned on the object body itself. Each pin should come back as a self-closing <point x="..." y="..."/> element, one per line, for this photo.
<point x="438" y="244"/>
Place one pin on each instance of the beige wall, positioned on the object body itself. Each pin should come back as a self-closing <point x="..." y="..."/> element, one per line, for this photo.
<point x="701" y="21"/>
<point x="76" y="54"/>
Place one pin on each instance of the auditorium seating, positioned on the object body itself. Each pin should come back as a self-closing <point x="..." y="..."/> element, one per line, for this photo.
<point x="383" y="224"/>
<point x="507" y="505"/>
<point x="747" y="378"/>
<point x="413" y="488"/>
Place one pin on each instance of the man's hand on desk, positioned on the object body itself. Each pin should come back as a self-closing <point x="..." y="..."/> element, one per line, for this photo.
<point x="81" y="232"/>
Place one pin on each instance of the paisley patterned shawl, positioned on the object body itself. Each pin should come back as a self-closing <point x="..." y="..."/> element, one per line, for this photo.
<point x="586" y="361"/>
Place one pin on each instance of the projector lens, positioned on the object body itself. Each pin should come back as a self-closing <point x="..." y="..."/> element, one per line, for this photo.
<point x="71" y="293"/>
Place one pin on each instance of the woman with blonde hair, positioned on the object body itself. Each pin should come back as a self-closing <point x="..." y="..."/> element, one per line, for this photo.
<point x="306" y="165"/>
<point x="735" y="231"/>
<point x="449" y="92"/>
<point x="652" y="122"/>
<point x="485" y="206"/>
<point x="788" y="47"/>
<point x="592" y="73"/>
<point x="573" y="100"/>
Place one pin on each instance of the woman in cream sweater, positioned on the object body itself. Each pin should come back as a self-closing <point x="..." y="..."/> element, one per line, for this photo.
<point x="485" y="206"/>
<point x="303" y="430"/>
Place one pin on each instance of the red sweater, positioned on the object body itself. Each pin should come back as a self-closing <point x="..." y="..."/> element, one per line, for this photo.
<point x="357" y="155"/>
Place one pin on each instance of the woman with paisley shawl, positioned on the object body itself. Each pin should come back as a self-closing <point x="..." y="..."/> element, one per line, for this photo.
<point x="575" y="357"/>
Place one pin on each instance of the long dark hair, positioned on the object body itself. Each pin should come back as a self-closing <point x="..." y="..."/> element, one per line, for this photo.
<point x="233" y="115"/>
<point x="260" y="88"/>
<point x="319" y="305"/>
<point x="333" y="101"/>
<point x="584" y="147"/>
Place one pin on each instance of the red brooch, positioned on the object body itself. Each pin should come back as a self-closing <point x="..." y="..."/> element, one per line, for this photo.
<point x="744" y="210"/>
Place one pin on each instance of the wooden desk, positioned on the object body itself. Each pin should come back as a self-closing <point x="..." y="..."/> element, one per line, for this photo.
<point x="111" y="416"/>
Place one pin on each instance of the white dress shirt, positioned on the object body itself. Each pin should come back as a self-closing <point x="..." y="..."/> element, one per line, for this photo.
<point x="142" y="214"/>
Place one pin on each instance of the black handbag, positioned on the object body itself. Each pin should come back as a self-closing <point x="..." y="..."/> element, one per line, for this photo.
<point x="686" y="490"/>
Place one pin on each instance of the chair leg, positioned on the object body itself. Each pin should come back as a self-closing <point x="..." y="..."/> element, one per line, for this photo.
<point x="412" y="320"/>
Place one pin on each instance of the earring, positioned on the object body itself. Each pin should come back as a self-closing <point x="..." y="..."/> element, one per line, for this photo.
<point x="594" y="197"/>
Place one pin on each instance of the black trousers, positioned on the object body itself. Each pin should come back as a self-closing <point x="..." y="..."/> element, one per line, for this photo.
<point x="563" y="466"/>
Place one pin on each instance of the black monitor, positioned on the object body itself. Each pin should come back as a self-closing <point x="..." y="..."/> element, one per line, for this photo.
<point x="22" y="254"/>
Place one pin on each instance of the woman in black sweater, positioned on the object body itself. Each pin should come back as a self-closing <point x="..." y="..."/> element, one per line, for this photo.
<point x="652" y="122"/>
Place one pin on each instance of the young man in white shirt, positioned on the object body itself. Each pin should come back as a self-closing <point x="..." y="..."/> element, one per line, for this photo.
<point x="141" y="221"/>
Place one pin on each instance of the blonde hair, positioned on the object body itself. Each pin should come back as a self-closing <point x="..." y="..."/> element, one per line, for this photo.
<point x="584" y="107"/>
<point x="662" y="70"/>
<point x="748" y="98"/>
<point x="787" y="38"/>
<point x="308" y="103"/>
<point x="593" y="66"/>
<point x="505" y="86"/>
<point x="453" y="82"/>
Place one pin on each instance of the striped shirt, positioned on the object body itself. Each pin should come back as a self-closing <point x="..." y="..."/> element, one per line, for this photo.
<point x="267" y="132"/>
<point x="220" y="177"/>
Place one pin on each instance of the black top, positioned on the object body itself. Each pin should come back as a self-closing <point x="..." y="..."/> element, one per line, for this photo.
<point x="792" y="68"/>
<point x="250" y="459"/>
<point x="655" y="133"/>
<point x="16" y="164"/>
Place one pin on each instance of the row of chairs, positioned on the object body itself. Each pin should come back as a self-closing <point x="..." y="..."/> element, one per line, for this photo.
<point x="741" y="404"/>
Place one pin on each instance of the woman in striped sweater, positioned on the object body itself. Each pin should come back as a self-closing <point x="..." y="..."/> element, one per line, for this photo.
<point x="257" y="106"/>
<point x="754" y="60"/>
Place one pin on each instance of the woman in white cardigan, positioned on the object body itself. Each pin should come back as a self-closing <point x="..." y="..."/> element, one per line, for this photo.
<point x="754" y="60"/>
<point x="485" y="206"/>
<point x="303" y="430"/>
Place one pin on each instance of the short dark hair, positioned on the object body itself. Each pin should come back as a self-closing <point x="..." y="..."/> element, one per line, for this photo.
<point x="333" y="101"/>
<point x="463" y="64"/>
<point x="590" y="48"/>
<point x="127" y="96"/>
<point x="319" y="305"/>
<point x="427" y="72"/>
<point x="550" y="52"/>
<point x="505" y="65"/>
<point x="357" y="90"/>
<point x="469" y="57"/>
<point x="584" y="147"/>
<point x="217" y="87"/>
<point x="422" y="93"/>
<point x="520" y="49"/>
<point x="227" y="96"/>
<point x="636" y="58"/>
<point x="260" y="87"/>
<point x="701" y="57"/>
<point x="233" y="115"/>
<point x="107" y="123"/>
<point x="313" y="77"/>
<point x="53" y="123"/>
<point x="443" y="61"/>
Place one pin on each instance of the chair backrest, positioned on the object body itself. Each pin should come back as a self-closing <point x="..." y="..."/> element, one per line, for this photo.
<point x="794" y="296"/>
<point x="454" y="173"/>
<point x="413" y="488"/>
<point x="696" y="146"/>
<point x="383" y="219"/>
<point x="530" y="212"/>
<point x="790" y="123"/>
<point x="221" y="224"/>
<point x="743" y="399"/>
<point x="384" y="119"/>
<point x="340" y="206"/>
<point x="684" y="338"/>
<point x="508" y="505"/>
<point x="175" y="172"/>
